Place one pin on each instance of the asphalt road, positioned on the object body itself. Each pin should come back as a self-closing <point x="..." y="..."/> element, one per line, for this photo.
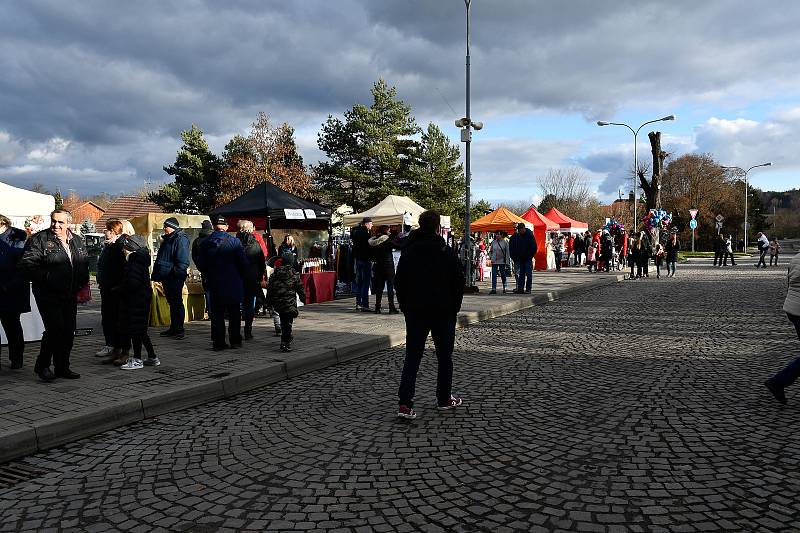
<point x="633" y="407"/>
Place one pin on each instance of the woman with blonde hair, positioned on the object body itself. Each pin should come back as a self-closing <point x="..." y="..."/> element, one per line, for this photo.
<point x="253" y="274"/>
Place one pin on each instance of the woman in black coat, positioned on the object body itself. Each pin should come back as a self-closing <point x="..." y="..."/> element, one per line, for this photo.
<point x="15" y="290"/>
<point x="254" y="273"/>
<point x="135" y="296"/>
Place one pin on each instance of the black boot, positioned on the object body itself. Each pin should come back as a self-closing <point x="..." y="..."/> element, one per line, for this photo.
<point x="248" y="331"/>
<point x="392" y="309"/>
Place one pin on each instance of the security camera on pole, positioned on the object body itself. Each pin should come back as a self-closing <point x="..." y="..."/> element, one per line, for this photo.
<point x="693" y="224"/>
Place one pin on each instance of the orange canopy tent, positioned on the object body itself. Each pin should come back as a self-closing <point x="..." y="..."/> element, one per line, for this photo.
<point x="541" y="225"/>
<point x="567" y="224"/>
<point x="499" y="219"/>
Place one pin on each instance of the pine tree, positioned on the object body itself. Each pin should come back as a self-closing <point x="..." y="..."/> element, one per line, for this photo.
<point x="197" y="176"/>
<point x="59" y="199"/>
<point x="369" y="152"/>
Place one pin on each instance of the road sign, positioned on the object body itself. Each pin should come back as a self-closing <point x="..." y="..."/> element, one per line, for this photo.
<point x="693" y="212"/>
<point x="693" y="223"/>
<point x="720" y="218"/>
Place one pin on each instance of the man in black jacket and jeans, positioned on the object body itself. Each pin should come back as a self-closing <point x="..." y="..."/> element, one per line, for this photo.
<point x="430" y="286"/>
<point x="56" y="262"/>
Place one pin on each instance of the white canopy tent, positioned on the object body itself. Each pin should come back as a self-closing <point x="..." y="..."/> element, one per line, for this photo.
<point x="392" y="211"/>
<point x="20" y="205"/>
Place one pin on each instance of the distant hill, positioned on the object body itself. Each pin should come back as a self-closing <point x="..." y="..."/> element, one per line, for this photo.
<point x="781" y="200"/>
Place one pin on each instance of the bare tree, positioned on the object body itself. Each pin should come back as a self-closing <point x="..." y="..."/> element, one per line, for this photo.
<point x="568" y="188"/>
<point x="516" y="206"/>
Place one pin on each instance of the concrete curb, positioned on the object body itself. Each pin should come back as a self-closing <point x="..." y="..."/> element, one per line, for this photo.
<point x="29" y="439"/>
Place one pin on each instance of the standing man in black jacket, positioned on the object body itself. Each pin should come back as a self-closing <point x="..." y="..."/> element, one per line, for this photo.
<point x="363" y="257"/>
<point x="56" y="262"/>
<point x="15" y="290"/>
<point x="171" y="268"/>
<point x="430" y="286"/>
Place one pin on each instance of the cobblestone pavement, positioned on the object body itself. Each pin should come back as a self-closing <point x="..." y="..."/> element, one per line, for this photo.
<point x="632" y="407"/>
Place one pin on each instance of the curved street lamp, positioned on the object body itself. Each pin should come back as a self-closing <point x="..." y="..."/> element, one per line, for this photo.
<point x="635" y="160"/>
<point x="746" y="193"/>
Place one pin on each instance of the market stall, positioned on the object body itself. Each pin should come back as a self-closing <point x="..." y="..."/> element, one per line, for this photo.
<point x="393" y="211"/>
<point x="565" y="223"/>
<point x="499" y="219"/>
<point x="282" y="213"/>
<point x="541" y="226"/>
<point x="29" y="211"/>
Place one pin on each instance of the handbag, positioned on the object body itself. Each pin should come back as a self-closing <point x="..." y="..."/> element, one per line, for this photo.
<point x="84" y="294"/>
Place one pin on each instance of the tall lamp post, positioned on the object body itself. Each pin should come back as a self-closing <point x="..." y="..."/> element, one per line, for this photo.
<point x="746" y="194"/>
<point x="466" y="124"/>
<point x="635" y="160"/>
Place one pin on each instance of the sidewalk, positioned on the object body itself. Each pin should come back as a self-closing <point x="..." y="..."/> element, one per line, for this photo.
<point x="36" y="416"/>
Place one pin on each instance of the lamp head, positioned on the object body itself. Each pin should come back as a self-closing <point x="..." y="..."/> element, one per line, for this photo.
<point x="602" y="123"/>
<point x="669" y="117"/>
<point x="477" y="125"/>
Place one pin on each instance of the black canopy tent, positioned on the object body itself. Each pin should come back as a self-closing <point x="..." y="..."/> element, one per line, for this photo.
<point x="269" y="206"/>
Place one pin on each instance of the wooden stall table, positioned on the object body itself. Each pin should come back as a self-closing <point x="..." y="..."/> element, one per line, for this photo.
<point x="319" y="286"/>
<point x="195" y="305"/>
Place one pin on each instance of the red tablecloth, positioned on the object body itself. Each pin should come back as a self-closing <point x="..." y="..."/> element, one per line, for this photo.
<point x="319" y="286"/>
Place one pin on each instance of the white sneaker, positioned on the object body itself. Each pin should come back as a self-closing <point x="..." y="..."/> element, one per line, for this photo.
<point x="132" y="364"/>
<point x="105" y="351"/>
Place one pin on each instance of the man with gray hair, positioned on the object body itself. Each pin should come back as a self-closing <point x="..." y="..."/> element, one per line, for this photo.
<point x="55" y="260"/>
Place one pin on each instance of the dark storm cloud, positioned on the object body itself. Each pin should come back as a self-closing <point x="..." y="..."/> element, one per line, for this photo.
<point x="119" y="80"/>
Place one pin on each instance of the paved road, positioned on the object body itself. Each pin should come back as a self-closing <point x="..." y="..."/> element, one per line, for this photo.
<point x="634" y="407"/>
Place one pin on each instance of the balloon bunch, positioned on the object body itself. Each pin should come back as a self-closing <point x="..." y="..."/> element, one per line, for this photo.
<point x="657" y="218"/>
<point x="614" y="228"/>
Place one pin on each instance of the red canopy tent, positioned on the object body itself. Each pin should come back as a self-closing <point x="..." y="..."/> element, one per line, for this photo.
<point x="565" y="223"/>
<point x="541" y="225"/>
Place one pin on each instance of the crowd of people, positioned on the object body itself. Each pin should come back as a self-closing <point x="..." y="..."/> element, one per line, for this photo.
<point x="54" y="264"/>
<point x="428" y="285"/>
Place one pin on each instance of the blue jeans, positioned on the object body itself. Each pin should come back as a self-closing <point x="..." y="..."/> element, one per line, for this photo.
<point x="790" y="372"/>
<point x="443" y="331"/>
<point x="524" y="275"/>
<point x="671" y="267"/>
<point x="501" y="269"/>
<point x="363" y="278"/>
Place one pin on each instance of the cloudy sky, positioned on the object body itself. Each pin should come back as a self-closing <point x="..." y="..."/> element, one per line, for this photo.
<point x="93" y="94"/>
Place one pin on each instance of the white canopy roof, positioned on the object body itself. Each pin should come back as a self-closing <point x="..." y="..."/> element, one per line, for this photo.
<point x="391" y="211"/>
<point x="19" y="204"/>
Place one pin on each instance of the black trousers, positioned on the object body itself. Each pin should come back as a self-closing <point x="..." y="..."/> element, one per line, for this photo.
<point x="718" y="256"/>
<point x="217" y="315"/>
<point x="761" y="256"/>
<point x="443" y="331"/>
<point x="286" y="327"/>
<point x="15" y="336"/>
<point x="109" y="313"/>
<point x="59" y="316"/>
<point x="173" y="291"/>
<point x="725" y="259"/>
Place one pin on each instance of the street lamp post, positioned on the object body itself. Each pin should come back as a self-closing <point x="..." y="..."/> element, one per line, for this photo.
<point x="467" y="124"/>
<point x="746" y="194"/>
<point x="635" y="159"/>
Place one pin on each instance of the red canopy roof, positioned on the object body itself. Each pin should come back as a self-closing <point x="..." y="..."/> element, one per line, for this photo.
<point x="538" y="220"/>
<point x="565" y="222"/>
